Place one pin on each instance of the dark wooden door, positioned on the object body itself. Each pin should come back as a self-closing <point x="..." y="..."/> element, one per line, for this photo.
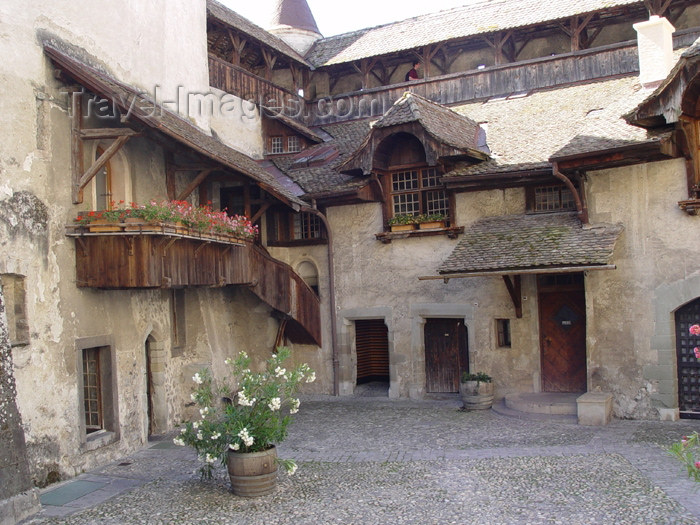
<point x="372" y="346"/>
<point x="688" y="364"/>
<point x="563" y="340"/>
<point x="446" y="354"/>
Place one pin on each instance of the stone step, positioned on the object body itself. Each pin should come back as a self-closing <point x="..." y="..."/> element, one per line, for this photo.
<point x="544" y="403"/>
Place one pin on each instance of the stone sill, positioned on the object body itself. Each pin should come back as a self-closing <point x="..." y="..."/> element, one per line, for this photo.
<point x="99" y="439"/>
<point x="452" y="232"/>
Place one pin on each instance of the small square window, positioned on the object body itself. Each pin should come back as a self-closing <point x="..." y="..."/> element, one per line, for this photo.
<point x="293" y="144"/>
<point x="276" y="145"/>
<point x="503" y="332"/>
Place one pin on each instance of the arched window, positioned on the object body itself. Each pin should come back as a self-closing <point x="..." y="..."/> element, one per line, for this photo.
<point x="308" y="271"/>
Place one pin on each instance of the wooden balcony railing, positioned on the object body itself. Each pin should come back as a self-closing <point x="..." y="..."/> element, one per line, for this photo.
<point x="166" y="259"/>
<point x="246" y="85"/>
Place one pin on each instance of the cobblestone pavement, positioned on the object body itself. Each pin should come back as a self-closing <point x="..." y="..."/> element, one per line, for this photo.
<point x="374" y="461"/>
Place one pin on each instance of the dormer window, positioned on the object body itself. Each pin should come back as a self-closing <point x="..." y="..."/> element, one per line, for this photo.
<point x="293" y="144"/>
<point x="418" y="191"/>
<point x="276" y="145"/>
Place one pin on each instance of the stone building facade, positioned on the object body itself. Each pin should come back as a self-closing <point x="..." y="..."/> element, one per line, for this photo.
<point x="567" y="259"/>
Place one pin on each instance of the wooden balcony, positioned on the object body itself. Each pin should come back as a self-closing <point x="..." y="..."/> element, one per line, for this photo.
<point x="244" y="84"/>
<point x="164" y="258"/>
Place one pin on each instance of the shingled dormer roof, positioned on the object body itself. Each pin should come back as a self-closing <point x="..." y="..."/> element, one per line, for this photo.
<point x="481" y="18"/>
<point x="514" y="243"/>
<point x="443" y="133"/>
<point x="439" y="121"/>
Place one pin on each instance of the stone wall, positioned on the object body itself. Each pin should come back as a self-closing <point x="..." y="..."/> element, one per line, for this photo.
<point x="17" y="499"/>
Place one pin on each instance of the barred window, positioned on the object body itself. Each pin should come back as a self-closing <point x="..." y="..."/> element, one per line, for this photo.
<point x="294" y="228"/>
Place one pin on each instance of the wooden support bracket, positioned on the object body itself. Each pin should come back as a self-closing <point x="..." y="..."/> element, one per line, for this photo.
<point x="100" y="163"/>
<point x="198" y="248"/>
<point x="129" y="244"/>
<point x="166" y="243"/>
<point x="515" y="291"/>
<point x="83" y="247"/>
<point x="196" y="182"/>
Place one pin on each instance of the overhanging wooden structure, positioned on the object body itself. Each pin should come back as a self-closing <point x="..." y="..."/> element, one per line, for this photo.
<point x="129" y="260"/>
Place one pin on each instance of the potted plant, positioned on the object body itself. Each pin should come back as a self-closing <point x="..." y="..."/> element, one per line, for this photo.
<point x="431" y="221"/>
<point x="476" y="391"/>
<point x="402" y="222"/>
<point x="242" y="418"/>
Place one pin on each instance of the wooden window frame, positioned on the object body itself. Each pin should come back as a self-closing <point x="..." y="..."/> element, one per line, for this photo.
<point x="503" y="333"/>
<point x="387" y="177"/>
<point x="272" y="145"/>
<point x="281" y="229"/>
<point x="531" y="199"/>
<point x="103" y="346"/>
<point x="297" y="141"/>
<point x="15" y="299"/>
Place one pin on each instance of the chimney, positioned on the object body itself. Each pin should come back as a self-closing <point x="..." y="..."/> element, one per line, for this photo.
<point x="655" y="47"/>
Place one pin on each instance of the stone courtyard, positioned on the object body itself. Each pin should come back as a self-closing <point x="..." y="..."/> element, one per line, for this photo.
<point x="371" y="460"/>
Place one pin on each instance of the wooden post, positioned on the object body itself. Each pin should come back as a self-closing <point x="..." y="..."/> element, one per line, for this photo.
<point x="515" y="291"/>
<point x="76" y="145"/>
<point x="498" y="44"/>
<point x="576" y="30"/>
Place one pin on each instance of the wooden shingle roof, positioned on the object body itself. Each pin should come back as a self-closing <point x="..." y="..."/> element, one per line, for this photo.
<point x="484" y="17"/>
<point x="530" y="242"/>
<point x="227" y="17"/>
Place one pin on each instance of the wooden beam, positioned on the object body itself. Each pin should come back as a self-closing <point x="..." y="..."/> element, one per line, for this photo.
<point x="102" y="161"/>
<point x="576" y="30"/>
<point x="559" y="269"/>
<point x="498" y="44"/>
<point x="170" y="176"/>
<point x="106" y="133"/>
<point x="260" y="212"/>
<point x="270" y="61"/>
<point x="192" y="185"/>
<point x="515" y="291"/>
<point x="76" y="145"/>
<point x="238" y="44"/>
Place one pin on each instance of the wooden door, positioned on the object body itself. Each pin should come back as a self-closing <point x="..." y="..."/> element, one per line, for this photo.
<point x="372" y="346"/>
<point x="688" y="364"/>
<point x="446" y="354"/>
<point x="563" y="337"/>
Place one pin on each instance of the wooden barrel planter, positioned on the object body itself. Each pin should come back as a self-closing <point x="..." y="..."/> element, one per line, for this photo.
<point x="476" y="395"/>
<point x="253" y="474"/>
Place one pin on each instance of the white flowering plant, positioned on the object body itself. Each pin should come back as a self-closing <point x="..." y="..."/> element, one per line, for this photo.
<point x="246" y="412"/>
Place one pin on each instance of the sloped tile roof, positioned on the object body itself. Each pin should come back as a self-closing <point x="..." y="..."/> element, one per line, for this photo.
<point x="520" y="242"/>
<point x="345" y="138"/>
<point x="443" y="124"/>
<point x="524" y="131"/>
<point x="230" y="18"/>
<point x="131" y="100"/>
<point x="485" y="17"/>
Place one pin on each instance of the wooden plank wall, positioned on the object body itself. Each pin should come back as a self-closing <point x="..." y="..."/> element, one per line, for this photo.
<point x="246" y="85"/>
